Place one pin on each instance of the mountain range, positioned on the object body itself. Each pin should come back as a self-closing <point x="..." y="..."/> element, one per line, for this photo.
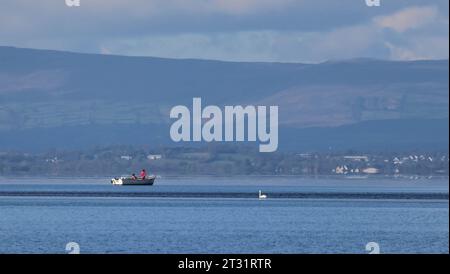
<point x="64" y="100"/>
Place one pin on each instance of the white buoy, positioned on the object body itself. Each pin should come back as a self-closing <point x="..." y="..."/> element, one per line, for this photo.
<point x="262" y="196"/>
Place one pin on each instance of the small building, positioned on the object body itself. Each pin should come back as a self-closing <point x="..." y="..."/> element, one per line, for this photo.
<point x="397" y="161"/>
<point x="54" y="160"/>
<point x="126" y="157"/>
<point x="371" y="170"/>
<point x="341" y="170"/>
<point x="357" y="158"/>
<point x="154" y="156"/>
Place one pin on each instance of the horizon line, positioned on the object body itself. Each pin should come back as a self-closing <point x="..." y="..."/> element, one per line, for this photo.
<point x="338" y="60"/>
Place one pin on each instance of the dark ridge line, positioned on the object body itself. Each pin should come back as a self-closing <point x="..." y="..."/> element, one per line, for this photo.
<point x="275" y="195"/>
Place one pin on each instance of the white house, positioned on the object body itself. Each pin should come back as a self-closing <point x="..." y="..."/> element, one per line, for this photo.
<point x="126" y="157"/>
<point x="154" y="156"/>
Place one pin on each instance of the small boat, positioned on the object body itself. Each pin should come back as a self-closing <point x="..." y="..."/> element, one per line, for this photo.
<point x="148" y="181"/>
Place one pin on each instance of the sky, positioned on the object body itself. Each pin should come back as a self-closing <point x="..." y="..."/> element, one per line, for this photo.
<point x="306" y="31"/>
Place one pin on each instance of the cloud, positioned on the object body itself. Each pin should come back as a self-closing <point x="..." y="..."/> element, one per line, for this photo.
<point x="105" y="50"/>
<point x="26" y="19"/>
<point x="419" y="33"/>
<point x="434" y="47"/>
<point x="286" y="46"/>
<point x="362" y="40"/>
<point x="231" y="7"/>
<point x="235" y="30"/>
<point x="410" y="18"/>
<point x="153" y="7"/>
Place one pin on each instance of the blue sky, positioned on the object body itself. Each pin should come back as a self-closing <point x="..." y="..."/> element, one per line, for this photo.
<point x="236" y="30"/>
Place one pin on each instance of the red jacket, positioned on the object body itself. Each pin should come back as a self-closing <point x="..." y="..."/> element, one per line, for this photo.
<point x="143" y="174"/>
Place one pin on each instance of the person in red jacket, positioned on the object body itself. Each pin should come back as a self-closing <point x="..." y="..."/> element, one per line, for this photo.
<point x="143" y="174"/>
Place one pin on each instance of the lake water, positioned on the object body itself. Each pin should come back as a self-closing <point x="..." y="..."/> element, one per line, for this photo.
<point x="224" y="215"/>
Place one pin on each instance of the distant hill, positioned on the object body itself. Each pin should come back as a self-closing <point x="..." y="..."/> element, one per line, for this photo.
<point x="375" y="136"/>
<point x="50" y="97"/>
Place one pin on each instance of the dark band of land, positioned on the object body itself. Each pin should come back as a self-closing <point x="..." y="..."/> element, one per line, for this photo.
<point x="274" y="195"/>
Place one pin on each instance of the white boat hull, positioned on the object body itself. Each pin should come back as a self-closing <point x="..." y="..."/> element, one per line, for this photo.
<point x="134" y="182"/>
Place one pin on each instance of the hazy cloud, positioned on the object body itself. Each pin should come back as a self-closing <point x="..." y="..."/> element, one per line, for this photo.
<point x="238" y="30"/>
<point x="410" y="18"/>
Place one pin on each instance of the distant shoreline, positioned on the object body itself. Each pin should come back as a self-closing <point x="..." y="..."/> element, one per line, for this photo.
<point x="240" y="176"/>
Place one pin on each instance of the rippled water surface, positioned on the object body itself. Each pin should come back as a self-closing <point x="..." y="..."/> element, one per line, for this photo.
<point x="224" y="215"/>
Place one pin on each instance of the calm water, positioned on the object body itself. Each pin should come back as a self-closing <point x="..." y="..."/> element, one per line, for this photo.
<point x="213" y="215"/>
